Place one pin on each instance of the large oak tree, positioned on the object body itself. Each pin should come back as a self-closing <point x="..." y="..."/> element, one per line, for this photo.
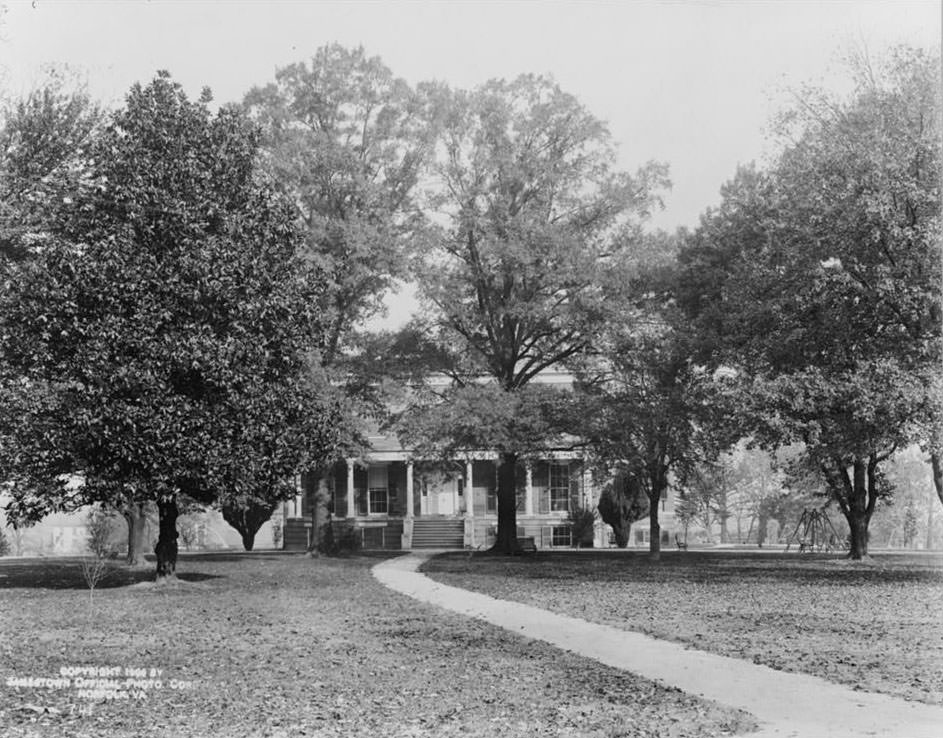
<point x="532" y="207"/>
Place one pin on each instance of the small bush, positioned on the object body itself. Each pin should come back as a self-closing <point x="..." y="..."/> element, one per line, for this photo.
<point x="188" y="531"/>
<point x="582" y="522"/>
<point x="98" y="526"/>
<point x="277" y="532"/>
<point x="347" y="538"/>
<point x="4" y="544"/>
<point x="94" y="569"/>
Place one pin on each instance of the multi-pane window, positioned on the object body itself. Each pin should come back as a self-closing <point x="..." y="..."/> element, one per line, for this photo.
<point x="378" y="496"/>
<point x="559" y="488"/>
<point x="561" y="535"/>
<point x="379" y="500"/>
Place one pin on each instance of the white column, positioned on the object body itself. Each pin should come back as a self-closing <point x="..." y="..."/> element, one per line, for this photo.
<point x="528" y="489"/>
<point x="296" y="503"/>
<point x="469" y="490"/>
<point x="410" y="501"/>
<point x="351" y="512"/>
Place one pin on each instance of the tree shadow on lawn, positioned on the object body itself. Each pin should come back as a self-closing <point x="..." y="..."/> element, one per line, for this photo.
<point x="68" y="574"/>
<point x="237" y="556"/>
<point x="699" y="567"/>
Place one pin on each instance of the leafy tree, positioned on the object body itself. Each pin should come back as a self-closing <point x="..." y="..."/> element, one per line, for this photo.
<point x="757" y="485"/>
<point x="346" y="142"/>
<point x="909" y="519"/>
<point x="819" y="279"/>
<point x="651" y="411"/>
<point x="708" y="490"/>
<point x="646" y="412"/>
<point x="532" y="209"/>
<point x="248" y="516"/>
<point x="741" y="485"/>
<point x="44" y="155"/>
<point x="455" y="421"/>
<point x="98" y="526"/>
<point x="159" y="341"/>
<point x="622" y="502"/>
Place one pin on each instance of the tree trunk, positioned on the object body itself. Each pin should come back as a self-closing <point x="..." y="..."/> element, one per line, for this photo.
<point x="316" y="487"/>
<point x="657" y="471"/>
<point x="506" y="541"/>
<point x="930" y="511"/>
<point x="654" y="527"/>
<point x="856" y="511"/>
<point x="856" y="495"/>
<point x="248" y="539"/>
<point x="859" y="535"/>
<point x="937" y="463"/>
<point x="621" y="533"/>
<point x="762" y="523"/>
<point x="166" y="548"/>
<point x="135" y="516"/>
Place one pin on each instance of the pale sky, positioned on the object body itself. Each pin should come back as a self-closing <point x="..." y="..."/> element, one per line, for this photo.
<point x="689" y="83"/>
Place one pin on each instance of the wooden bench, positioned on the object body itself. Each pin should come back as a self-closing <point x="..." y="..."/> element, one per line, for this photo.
<point x="682" y="545"/>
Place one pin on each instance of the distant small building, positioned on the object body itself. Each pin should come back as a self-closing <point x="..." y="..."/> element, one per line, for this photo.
<point x="66" y="534"/>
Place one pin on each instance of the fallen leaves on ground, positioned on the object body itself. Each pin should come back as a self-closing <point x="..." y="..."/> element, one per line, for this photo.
<point x="276" y="645"/>
<point x="875" y="625"/>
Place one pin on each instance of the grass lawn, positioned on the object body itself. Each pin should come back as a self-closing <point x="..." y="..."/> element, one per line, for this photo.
<point x="281" y="645"/>
<point x="876" y="626"/>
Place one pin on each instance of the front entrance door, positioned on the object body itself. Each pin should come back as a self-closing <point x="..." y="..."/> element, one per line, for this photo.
<point x="445" y="498"/>
<point x="440" y="495"/>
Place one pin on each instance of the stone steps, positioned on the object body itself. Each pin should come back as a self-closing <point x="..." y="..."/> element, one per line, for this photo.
<point x="438" y="533"/>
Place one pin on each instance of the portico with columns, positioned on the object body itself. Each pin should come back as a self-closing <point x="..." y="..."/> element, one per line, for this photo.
<point x="391" y="499"/>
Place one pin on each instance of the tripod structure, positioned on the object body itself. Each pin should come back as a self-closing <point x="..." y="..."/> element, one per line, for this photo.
<point x="815" y="533"/>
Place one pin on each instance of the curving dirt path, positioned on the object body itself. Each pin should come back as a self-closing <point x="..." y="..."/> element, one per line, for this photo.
<point x="787" y="705"/>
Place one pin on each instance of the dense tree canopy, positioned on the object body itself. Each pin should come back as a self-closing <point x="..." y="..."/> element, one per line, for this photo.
<point x="820" y="278"/>
<point x="651" y="412"/>
<point x="531" y="208"/>
<point x="44" y="142"/>
<point x="159" y="344"/>
<point x="346" y="142"/>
